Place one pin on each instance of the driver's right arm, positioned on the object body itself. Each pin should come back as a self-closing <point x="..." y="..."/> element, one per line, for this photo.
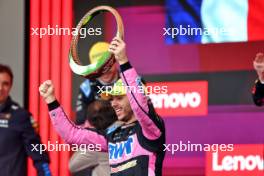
<point x="71" y="133"/>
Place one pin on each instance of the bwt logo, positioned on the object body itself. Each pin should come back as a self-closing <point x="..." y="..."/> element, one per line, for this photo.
<point x="116" y="151"/>
<point x="243" y="161"/>
<point x="181" y="99"/>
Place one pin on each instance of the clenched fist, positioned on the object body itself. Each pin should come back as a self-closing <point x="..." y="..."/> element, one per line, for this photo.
<point x="259" y="66"/>
<point x="46" y="90"/>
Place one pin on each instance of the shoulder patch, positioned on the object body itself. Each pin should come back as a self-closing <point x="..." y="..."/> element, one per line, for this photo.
<point x="86" y="87"/>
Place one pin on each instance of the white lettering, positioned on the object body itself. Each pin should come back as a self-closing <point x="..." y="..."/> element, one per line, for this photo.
<point x="175" y="100"/>
<point x="238" y="163"/>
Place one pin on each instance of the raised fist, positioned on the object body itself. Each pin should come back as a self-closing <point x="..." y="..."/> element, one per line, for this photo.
<point x="46" y="90"/>
<point x="259" y="66"/>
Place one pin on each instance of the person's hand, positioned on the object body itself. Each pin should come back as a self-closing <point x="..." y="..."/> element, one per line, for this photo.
<point x="46" y="90"/>
<point x="259" y="66"/>
<point x="118" y="48"/>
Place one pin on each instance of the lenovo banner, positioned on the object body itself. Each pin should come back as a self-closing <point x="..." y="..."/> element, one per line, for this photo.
<point x="172" y="99"/>
<point x="244" y="160"/>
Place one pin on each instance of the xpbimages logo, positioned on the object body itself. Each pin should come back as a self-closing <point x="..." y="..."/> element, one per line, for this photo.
<point x="58" y="147"/>
<point x="244" y="160"/>
<point x="58" y="31"/>
<point x="191" y="31"/>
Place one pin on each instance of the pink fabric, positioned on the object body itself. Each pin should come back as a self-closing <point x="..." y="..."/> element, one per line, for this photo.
<point x="78" y="135"/>
<point x="150" y="130"/>
<point x="73" y="134"/>
<point x="137" y="150"/>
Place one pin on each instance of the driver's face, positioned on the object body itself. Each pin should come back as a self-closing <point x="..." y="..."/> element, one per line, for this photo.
<point x="122" y="107"/>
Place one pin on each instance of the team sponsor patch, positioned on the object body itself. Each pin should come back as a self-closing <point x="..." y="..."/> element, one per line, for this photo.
<point x="120" y="149"/>
<point x="125" y="166"/>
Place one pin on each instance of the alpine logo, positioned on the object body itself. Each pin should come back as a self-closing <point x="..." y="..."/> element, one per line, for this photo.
<point x="117" y="150"/>
<point x="243" y="161"/>
<point x="181" y="98"/>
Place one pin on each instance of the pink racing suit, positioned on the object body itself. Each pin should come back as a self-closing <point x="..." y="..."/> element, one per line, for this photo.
<point x="135" y="149"/>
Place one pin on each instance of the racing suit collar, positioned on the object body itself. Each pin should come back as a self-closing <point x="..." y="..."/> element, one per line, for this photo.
<point x="126" y="125"/>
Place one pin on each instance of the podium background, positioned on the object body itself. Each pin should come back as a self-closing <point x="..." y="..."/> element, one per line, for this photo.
<point x="232" y="117"/>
